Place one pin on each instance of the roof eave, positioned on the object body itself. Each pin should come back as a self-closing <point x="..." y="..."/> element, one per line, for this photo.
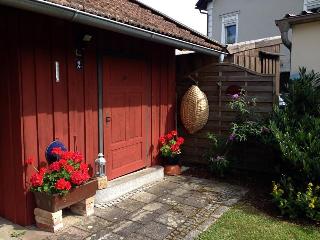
<point x="299" y="19"/>
<point x="77" y="16"/>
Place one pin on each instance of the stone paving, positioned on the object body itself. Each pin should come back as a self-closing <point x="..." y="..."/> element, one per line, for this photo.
<point x="176" y="208"/>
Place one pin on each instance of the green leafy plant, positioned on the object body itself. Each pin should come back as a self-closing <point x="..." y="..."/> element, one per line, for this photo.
<point x="219" y="165"/>
<point x="247" y="122"/>
<point x="299" y="145"/>
<point x="295" y="131"/>
<point x="216" y="155"/>
<point x="170" y="144"/>
<point x="304" y="95"/>
<point x="294" y="203"/>
<point x="243" y="105"/>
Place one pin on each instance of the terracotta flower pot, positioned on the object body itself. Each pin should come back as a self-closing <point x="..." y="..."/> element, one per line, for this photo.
<point x="172" y="170"/>
<point x="54" y="203"/>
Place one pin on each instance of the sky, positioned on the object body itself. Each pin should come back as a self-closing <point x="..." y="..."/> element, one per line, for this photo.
<point x="181" y="10"/>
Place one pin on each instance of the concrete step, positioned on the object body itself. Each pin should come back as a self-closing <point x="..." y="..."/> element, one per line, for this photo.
<point x="123" y="185"/>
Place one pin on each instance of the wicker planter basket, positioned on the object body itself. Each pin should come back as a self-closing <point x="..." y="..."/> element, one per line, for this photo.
<point x="194" y="109"/>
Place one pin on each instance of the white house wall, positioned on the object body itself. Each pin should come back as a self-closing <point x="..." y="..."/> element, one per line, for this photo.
<point x="256" y="19"/>
<point x="305" y="47"/>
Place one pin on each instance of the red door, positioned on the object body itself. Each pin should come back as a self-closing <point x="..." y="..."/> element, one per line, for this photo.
<point x="125" y="113"/>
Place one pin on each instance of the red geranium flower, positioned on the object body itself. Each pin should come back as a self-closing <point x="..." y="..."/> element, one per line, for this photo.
<point x="83" y="167"/>
<point x="169" y="136"/>
<point x="30" y="161"/>
<point x="66" y="155"/>
<point x="174" y="133"/>
<point x="62" y="162"/>
<point x="42" y="171"/>
<point x="63" y="184"/>
<point x="69" y="168"/>
<point x="36" y="180"/>
<point x="77" y="177"/>
<point x="162" y="140"/>
<point x="175" y="148"/>
<point x="77" y="157"/>
<point x="57" y="151"/>
<point x="85" y="176"/>
<point x="55" y="166"/>
<point x="180" y="140"/>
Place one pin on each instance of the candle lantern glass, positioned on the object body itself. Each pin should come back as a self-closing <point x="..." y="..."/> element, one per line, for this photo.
<point x="100" y="166"/>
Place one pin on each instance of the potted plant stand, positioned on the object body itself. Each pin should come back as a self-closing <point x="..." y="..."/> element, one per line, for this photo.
<point x="172" y="166"/>
<point x="48" y="214"/>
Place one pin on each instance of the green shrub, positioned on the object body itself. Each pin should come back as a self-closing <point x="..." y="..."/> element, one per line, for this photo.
<point x="299" y="145"/>
<point x="294" y="203"/>
<point x="295" y="133"/>
<point x="304" y="95"/>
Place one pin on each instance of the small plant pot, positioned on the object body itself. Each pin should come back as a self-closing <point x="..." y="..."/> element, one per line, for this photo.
<point x="172" y="170"/>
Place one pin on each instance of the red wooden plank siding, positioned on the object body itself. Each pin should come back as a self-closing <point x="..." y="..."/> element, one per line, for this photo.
<point x="43" y="76"/>
<point x="46" y="103"/>
<point x="76" y="97"/>
<point x="4" y="120"/>
<point x="16" y="131"/>
<point x="91" y="108"/>
<point x="11" y="178"/>
<point x="3" y="89"/>
<point x="155" y="103"/>
<point x="8" y="165"/>
<point x="171" y="90"/>
<point x="60" y="89"/>
<point x="3" y="80"/>
<point x="164" y="94"/>
<point x="29" y="101"/>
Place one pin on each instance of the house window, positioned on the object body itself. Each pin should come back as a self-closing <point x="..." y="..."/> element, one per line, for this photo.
<point x="310" y="5"/>
<point x="230" y="25"/>
<point x="230" y="32"/>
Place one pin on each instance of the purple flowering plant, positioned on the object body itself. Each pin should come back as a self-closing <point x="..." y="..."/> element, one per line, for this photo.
<point x="247" y="122"/>
<point x="235" y="96"/>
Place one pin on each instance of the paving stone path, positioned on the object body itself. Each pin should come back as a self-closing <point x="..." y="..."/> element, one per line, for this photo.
<point x="176" y="208"/>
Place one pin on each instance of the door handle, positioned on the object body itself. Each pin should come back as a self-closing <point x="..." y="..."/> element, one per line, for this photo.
<point x="108" y="118"/>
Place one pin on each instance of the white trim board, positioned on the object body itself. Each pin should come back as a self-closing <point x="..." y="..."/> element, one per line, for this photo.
<point x="229" y="19"/>
<point x="309" y="4"/>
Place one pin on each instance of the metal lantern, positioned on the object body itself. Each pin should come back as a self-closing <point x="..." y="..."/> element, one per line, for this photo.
<point x="100" y="164"/>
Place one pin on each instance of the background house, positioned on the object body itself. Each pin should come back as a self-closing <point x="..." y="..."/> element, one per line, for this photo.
<point x="232" y="21"/>
<point x="304" y="43"/>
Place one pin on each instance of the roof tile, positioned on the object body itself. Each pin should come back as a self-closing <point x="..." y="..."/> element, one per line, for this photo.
<point x="139" y="15"/>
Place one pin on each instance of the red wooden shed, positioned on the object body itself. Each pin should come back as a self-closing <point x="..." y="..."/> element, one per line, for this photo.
<point x="66" y="67"/>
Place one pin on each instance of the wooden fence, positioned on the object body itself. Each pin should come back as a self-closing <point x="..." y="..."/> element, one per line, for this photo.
<point x="214" y="79"/>
<point x="261" y="56"/>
